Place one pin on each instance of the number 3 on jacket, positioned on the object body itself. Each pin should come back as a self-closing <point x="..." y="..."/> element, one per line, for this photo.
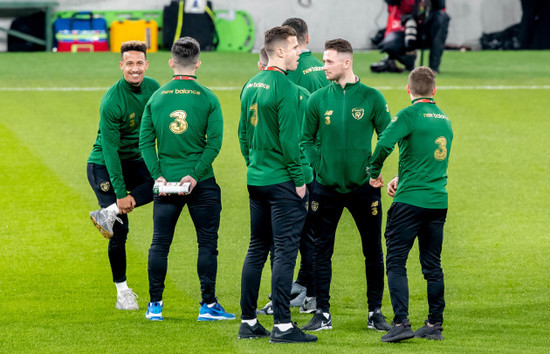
<point x="179" y="125"/>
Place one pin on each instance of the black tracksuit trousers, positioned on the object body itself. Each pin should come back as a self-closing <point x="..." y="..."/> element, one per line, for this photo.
<point x="277" y="216"/>
<point x="405" y="223"/>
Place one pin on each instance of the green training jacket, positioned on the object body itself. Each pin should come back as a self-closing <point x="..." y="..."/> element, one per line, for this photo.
<point x="269" y="129"/>
<point x="181" y="130"/>
<point x="424" y="134"/>
<point x="120" y="114"/>
<point x="337" y="133"/>
<point x="310" y="73"/>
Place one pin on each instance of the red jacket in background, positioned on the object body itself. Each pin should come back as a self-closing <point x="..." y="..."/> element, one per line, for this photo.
<point x="394" y="15"/>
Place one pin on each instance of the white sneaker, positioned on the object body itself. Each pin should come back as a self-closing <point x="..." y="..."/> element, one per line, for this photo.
<point x="309" y="306"/>
<point x="126" y="300"/>
<point x="266" y="310"/>
<point x="104" y="220"/>
<point x="297" y="295"/>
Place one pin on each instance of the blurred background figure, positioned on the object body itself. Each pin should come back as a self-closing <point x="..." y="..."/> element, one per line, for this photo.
<point x="413" y="24"/>
<point x="535" y="24"/>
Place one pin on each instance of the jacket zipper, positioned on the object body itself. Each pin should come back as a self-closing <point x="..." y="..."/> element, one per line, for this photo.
<point x="344" y="133"/>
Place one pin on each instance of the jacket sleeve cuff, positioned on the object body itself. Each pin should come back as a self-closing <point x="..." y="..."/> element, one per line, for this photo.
<point x="121" y="194"/>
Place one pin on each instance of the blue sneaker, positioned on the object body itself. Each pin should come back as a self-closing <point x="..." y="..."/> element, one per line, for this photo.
<point x="154" y="311"/>
<point x="214" y="313"/>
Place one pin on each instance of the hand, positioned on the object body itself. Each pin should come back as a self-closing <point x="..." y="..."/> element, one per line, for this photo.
<point x="126" y="204"/>
<point x="392" y="186"/>
<point x="192" y="185"/>
<point x="301" y="191"/>
<point x="377" y="182"/>
<point x="163" y="181"/>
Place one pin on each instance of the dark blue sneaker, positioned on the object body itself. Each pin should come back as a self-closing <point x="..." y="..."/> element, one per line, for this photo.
<point x="154" y="311"/>
<point x="214" y="313"/>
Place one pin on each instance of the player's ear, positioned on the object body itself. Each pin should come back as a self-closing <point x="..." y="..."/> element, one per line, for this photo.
<point x="171" y="63"/>
<point x="198" y="65"/>
<point x="433" y="91"/>
<point x="408" y="89"/>
<point x="347" y="63"/>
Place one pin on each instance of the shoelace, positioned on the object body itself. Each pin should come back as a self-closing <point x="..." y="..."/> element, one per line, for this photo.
<point x="219" y="307"/>
<point x="111" y="217"/>
<point x="129" y="295"/>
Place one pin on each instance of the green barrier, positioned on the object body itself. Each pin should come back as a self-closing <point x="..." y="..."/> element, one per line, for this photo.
<point x="235" y="30"/>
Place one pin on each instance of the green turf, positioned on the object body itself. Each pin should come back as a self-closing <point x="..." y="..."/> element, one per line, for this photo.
<point x="55" y="284"/>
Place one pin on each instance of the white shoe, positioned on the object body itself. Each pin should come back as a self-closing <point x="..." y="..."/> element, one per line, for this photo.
<point x="104" y="220"/>
<point x="309" y="306"/>
<point x="298" y="295"/>
<point x="266" y="310"/>
<point x="126" y="300"/>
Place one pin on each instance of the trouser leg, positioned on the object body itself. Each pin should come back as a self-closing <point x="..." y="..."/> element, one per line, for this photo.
<point x="138" y="181"/>
<point x="288" y="213"/>
<point x="327" y="208"/>
<point x="393" y="44"/>
<point x="261" y="240"/>
<point x="166" y="211"/>
<point x="117" y="249"/>
<point x="365" y="206"/>
<point x="205" y="207"/>
<point x="307" y="247"/>
<point x="430" y="241"/>
<point x="99" y="180"/>
<point x="438" y="26"/>
<point x="401" y="229"/>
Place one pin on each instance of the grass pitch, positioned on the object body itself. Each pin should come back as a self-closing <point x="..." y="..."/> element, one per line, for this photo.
<point x="55" y="284"/>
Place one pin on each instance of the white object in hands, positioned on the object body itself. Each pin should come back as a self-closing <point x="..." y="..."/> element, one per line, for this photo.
<point x="171" y="187"/>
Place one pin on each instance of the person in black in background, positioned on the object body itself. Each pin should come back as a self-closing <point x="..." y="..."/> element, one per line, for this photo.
<point x="413" y="24"/>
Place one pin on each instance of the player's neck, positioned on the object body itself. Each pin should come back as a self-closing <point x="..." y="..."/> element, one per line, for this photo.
<point x="185" y="72"/>
<point x="417" y="97"/>
<point x="280" y="63"/>
<point x="348" y="78"/>
<point x="134" y="84"/>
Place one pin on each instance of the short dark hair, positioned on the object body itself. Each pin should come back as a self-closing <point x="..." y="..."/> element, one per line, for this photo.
<point x="300" y="26"/>
<point x="137" y="46"/>
<point x="340" y="45"/>
<point x="275" y="35"/>
<point x="263" y="56"/>
<point x="422" y="81"/>
<point x="186" y="51"/>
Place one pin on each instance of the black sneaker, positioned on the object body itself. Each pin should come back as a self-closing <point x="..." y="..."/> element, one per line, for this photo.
<point x="318" y="322"/>
<point x="385" y="65"/>
<point x="291" y="335"/>
<point x="247" y="331"/>
<point x="377" y="321"/>
<point x="399" y="333"/>
<point x="429" y="332"/>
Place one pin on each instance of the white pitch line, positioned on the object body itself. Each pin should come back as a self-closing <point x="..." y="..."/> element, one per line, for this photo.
<point x="54" y="88"/>
<point x="503" y="87"/>
<point x="234" y="88"/>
